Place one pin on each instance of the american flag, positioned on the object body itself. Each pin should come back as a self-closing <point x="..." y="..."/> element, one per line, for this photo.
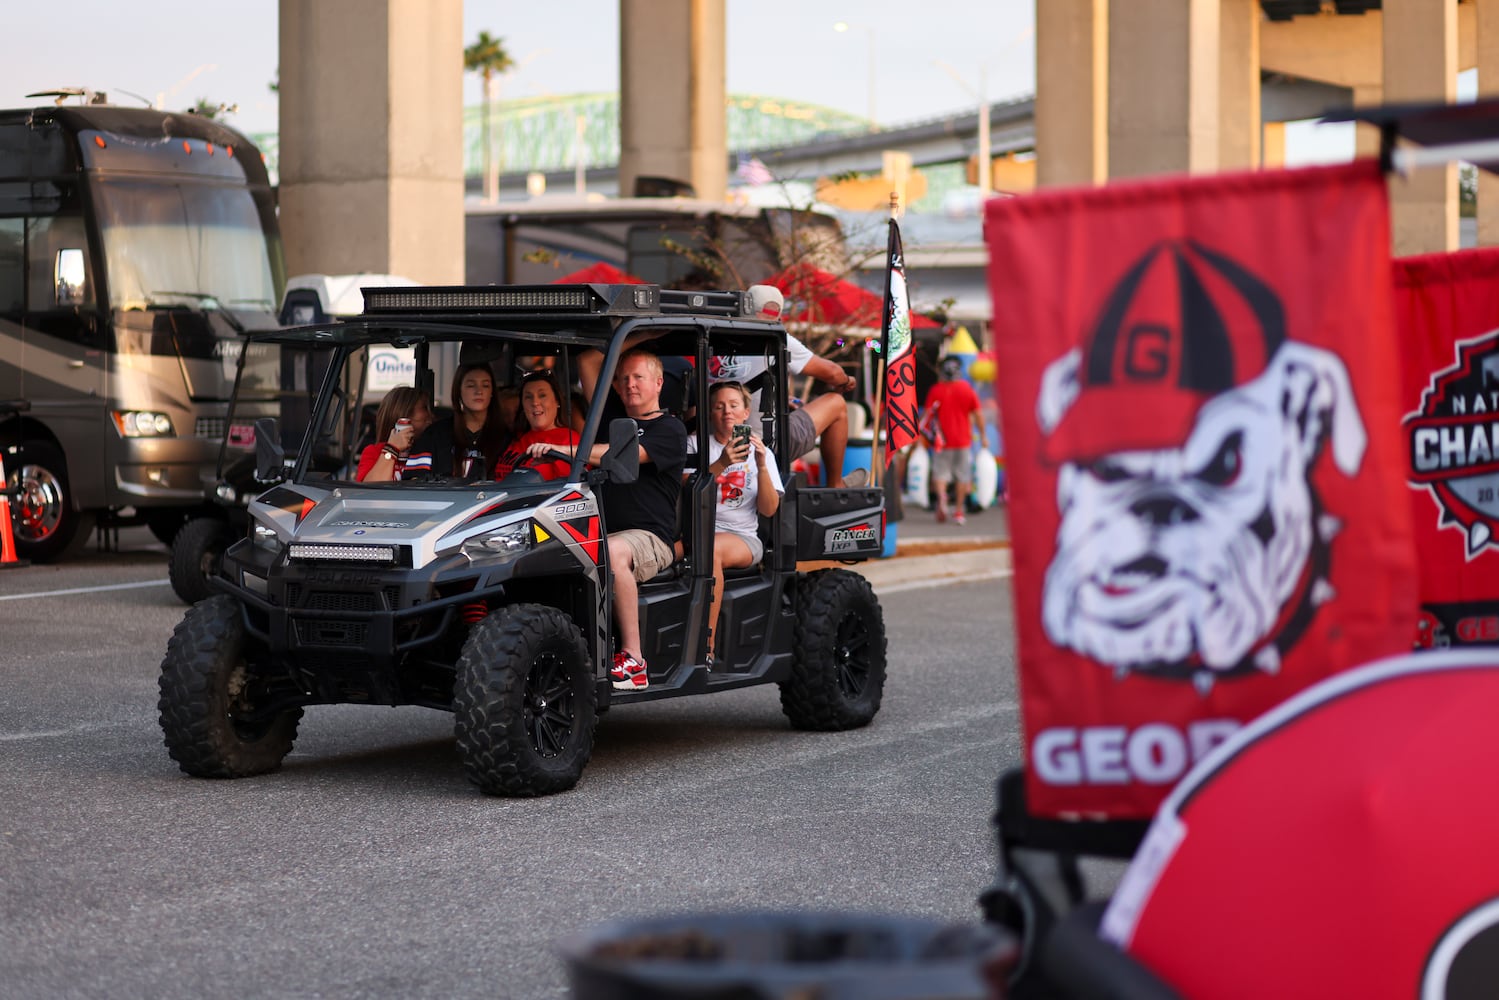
<point x="752" y="171"/>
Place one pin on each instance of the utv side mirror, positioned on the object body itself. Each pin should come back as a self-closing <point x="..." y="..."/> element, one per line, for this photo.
<point x="622" y="461"/>
<point x="270" y="457"/>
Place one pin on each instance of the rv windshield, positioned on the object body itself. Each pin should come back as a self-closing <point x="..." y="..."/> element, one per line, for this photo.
<point x="190" y="237"/>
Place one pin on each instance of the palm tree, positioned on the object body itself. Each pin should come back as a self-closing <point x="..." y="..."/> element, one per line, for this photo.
<point x="488" y="57"/>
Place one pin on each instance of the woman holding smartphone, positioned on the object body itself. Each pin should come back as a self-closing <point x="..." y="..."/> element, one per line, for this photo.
<point x="749" y="487"/>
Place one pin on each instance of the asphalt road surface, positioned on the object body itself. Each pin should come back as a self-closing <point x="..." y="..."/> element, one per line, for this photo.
<point x="369" y="867"/>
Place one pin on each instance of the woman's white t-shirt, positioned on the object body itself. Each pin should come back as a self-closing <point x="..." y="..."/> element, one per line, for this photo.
<point x="738" y="487"/>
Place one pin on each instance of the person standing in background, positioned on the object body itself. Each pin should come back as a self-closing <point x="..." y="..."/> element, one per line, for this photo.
<point x="955" y="407"/>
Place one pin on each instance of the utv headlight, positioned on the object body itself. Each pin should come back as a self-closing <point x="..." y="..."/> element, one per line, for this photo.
<point x="512" y="539"/>
<point x="264" y="537"/>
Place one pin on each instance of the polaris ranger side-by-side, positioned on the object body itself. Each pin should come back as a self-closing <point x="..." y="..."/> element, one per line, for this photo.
<point x="492" y="599"/>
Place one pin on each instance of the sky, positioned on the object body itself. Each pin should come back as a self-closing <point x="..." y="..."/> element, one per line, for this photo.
<point x="177" y="51"/>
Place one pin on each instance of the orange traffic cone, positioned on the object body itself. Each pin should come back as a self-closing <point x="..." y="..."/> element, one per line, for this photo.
<point x="8" y="557"/>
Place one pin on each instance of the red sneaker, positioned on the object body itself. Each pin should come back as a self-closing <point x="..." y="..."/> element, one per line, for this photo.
<point x="941" y="515"/>
<point x="628" y="673"/>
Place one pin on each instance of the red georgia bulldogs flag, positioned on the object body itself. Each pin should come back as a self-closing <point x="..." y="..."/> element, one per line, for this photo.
<point x="1447" y="310"/>
<point x="1199" y="386"/>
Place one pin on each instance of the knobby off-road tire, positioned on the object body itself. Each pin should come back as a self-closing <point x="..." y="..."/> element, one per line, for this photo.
<point x="838" y="672"/>
<point x="196" y="549"/>
<point x="524" y="702"/>
<point x="204" y="683"/>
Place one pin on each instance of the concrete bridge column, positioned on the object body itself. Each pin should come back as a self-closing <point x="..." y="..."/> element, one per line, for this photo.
<point x="1164" y="71"/>
<point x="371" y="134"/>
<point x="1072" y="96"/>
<point x="673" y="92"/>
<point x="1487" y="58"/>
<point x="1239" y="85"/>
<point x="1421" y="64"/>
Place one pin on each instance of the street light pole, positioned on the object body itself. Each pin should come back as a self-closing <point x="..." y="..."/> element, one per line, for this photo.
<point x="843" y="26"/>
<point x="985" y="154"/>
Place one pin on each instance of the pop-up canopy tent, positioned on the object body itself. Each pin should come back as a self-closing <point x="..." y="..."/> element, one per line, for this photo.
<point x="600" y="273"/>
<point x="819" y="297"/>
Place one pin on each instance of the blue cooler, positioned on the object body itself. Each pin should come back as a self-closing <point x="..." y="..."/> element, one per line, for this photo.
<point x="860" y="455"/>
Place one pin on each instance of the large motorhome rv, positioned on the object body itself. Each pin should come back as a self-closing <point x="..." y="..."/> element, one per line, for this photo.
<point x="136" y="247"/>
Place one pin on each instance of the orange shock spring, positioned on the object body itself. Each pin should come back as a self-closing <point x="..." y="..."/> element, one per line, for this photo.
<point x="474" y="613"/>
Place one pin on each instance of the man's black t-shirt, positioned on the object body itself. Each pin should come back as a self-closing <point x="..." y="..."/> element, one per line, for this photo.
<point x="651" y="501"/>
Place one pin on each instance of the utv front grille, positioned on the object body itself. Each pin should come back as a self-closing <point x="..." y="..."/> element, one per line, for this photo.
<point x="331" y="632"/>
<point x="386" y="599"/>
<point x="332" y="601"/>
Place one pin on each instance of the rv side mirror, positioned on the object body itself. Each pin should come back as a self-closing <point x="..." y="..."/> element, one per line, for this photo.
<point x="270" y="457"/>
<point x="622" y="461"/>
<point x="68" y="276"/>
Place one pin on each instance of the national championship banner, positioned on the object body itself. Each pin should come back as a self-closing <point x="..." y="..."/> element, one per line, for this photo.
<point x="1447" y="311"/>
<point x="1199" y="387"/>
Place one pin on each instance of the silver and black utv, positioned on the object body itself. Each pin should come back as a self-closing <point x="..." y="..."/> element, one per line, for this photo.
<point x="491" y="599"/>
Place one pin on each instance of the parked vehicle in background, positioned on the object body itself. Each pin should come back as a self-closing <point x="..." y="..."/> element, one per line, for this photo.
<point x="310" y="298"/>
<point x="664" y="241"/>
<point x="136" y="248"/>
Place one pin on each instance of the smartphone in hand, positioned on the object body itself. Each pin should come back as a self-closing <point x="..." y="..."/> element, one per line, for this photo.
<point x="741" y="434"/>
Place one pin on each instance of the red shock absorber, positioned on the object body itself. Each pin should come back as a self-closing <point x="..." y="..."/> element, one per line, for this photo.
<point x="474" y="613"/>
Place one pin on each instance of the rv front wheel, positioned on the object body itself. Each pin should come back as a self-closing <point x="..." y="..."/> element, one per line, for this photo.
<point x="41" y="507"/>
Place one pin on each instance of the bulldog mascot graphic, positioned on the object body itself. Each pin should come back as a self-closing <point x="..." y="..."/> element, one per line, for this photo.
<point x="1185" y="431"/>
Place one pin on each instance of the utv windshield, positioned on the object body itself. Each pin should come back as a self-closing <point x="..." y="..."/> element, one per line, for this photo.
<point x="337" y="405"/>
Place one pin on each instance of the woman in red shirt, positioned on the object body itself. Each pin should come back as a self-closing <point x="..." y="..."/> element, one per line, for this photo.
<point x="383" y="461"/>
<point x="539" y="421"/>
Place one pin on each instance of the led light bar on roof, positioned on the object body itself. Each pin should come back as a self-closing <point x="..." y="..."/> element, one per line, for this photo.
<point x="563" y="299"/>
<point x="344" y="553"/>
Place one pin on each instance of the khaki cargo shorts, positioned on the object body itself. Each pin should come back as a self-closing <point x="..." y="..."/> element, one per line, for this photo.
<point x="952" y="465"/>
<point x="649" y="555"/>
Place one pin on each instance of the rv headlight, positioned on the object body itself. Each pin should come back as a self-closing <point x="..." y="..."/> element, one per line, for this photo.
<point x="264" y="537"/>
<point x="142" y="423"/>
<point x="509" y="540"/>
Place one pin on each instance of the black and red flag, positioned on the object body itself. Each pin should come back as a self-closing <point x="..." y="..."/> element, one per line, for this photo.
<point x="896" y="348"/>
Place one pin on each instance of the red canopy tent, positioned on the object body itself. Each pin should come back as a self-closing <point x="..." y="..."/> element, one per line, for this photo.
<point x="600" y="273"/>
<point x="817" y="296"/>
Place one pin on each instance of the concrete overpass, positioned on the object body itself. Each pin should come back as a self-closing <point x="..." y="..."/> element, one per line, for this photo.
<point x="371" y="157"/>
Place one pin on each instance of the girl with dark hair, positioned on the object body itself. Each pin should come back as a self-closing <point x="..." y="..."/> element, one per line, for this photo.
<point x="467" y="446"/>
<point x="385" y="460"/>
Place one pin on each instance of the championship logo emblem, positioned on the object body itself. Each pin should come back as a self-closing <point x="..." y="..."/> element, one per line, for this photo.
<point x="1185" y="431"/>
<point x="1454" y="442"/>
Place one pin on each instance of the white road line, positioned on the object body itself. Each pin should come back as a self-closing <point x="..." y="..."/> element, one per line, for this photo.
<point x="47" y="734"/>
<point x="942" y="581"/>
<point x="84" y="590"/>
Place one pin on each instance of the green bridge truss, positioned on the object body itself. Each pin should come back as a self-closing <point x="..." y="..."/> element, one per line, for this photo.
<point x="548" y="133"/>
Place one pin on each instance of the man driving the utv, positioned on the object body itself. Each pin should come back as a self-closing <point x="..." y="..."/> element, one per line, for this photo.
<point x="640" y="517"/>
